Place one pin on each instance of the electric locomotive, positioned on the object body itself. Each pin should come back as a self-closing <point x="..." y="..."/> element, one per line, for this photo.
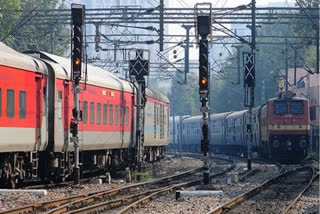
<point x="285" y="128"/>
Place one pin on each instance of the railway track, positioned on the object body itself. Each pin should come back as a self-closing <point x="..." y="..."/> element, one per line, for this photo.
<point x="168" y="189"/>
<point x="293" y="203"/>
<point x="122" y="199"/>
<point x="277" y="194"/>
<point x="123" y="203"/>
<point x="62" y="205"/>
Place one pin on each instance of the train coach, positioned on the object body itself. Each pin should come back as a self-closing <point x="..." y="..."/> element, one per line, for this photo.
<point x="36" y="103"/>
<point x="280" y="130"/>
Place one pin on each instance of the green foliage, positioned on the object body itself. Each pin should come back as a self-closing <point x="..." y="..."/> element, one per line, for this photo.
<point x="143" y="175"/>
<point x="49" y="37"/>
<point x="307" y="28"/>
<point x="8" y="18"/>
<point x="184" y="99"/>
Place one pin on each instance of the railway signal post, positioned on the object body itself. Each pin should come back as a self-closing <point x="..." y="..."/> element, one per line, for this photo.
<point x="203" y="29"/>
<point x="249" y="81"/>
<point x="77" y="51"/>
<point x="139" y="68"/>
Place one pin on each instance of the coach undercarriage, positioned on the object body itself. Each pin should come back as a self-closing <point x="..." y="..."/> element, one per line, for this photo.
<point x="50" y="167"/>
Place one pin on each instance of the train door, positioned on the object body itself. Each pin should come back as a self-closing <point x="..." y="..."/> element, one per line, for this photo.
<point x="58" y="121"/>
<point x="66" y="115"/>
<point x="44" y="114"/>
<point x="38" y="110"/>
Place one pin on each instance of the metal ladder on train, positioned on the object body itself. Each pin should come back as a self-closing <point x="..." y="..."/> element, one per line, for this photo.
<point x="35" y="164"/>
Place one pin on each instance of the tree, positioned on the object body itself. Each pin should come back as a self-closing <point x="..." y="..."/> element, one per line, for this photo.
<point x="8" y="19"/>
<point x="52" y="38"/>
<point x="308" y="28"/>
<point x="184" y="99"/>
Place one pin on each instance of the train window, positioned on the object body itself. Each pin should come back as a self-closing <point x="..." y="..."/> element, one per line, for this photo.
<point x="296" y="107"/>
<point x="110" y="114"/>
<point x="59" y="104"/>
<point x="105" y="112"/>
<point x="154" y="120"/>
<point x="121" y="114"/>
<point x="22" y="104"/>
<point x="313" y="111"/>
<point x="158" y="111"/>
<point x="98" y="113"/>
<point x="116" y="113"/>
<point x="85" y="112"/>
<point x="44" y="101"/>
<point x="127" y="115"/>
<point x="91" y="112"/>
<point x="0" y="102"/>
<point x="280" y="107"/>
<point x="10" y="103"/>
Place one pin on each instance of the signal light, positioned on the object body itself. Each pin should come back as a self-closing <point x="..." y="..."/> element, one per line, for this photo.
<point x="77" y="62"/>
<point x="204" y="81"/>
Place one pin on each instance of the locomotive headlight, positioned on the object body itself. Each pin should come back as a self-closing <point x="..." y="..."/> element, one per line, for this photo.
<point x="276" y="143"/>
<point x="302" y="143"/>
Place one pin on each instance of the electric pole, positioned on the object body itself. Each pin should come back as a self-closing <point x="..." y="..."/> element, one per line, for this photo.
<point x="78" y="52"/>
<point x="161" y="24"/>
<point x="295" y="68"/>
<point x="286" y="54"/>
<point x="186" y="52"/>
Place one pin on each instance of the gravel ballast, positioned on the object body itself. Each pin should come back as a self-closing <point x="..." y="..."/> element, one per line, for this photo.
<point x="167" y="166"/>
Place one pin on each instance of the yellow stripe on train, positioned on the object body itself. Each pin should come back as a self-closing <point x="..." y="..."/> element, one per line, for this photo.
<point x="289" y="127"/>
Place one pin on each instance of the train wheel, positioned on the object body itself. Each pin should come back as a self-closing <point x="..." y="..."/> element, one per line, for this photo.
<point x="7" y="177"/>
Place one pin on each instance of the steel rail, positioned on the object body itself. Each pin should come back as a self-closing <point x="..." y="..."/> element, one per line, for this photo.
<point x="55" y="203"/>
<point x="103" y="206"/>
<point x="108" y="193"/>
<point x="106" y="205"/>
<point x="237" y="200"/>
<point x="290" y="206"/>
<point x="171" y="188"/>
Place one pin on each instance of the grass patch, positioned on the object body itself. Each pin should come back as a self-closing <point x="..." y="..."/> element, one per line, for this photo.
<point x="143" y="175"/>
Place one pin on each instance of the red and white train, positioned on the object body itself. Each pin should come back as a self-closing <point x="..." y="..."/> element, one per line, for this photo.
<point x="36" y="103"/>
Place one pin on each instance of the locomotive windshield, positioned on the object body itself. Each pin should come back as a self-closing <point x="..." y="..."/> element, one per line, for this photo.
<point x="296" y="107"/>
<point x="280" y="107"/>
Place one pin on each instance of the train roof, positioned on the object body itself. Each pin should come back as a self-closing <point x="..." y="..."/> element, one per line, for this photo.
<point x="219" y="115"/>
<point x="178" y="118"/>
<point x="11" y="58"/>
<point x="193" y="119"/>
<point x="96" y="75"/>
<point x="292" y="98"/>
<point x="236" y="114"/>
<point x="157" y="95"/>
